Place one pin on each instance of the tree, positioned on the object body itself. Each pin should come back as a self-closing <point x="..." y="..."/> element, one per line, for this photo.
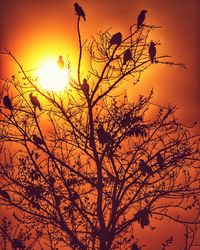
<point x="82" y="169"/>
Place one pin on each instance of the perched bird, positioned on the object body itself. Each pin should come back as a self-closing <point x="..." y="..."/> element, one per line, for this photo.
<point x="127" y="56"/>
<point x="38" y="140"/>
<point x="35" y="101"/>
<point x="141" y="18"/>
<point x="5" y="195"/>
<point x="152" y="51"/>
<point x="17" y="244"/>
<point x="116" y="39"/>
<point x="145" y="169"/>
<point x="142" y="217"/>
<point x="103" y="136"/>
<point x="160" y="160"/>
<point x="85" y="87"/>
<point x="7" y="102"/>
<point x="79" y="11"/>
<point x="60" y="62"/>
<point x="134" y="247"/>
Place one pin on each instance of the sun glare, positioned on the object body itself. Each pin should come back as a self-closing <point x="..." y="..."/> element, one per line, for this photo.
<point x="51" y="77"/>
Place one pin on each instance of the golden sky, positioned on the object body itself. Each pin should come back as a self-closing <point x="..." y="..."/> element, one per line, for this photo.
<point x="36" y="31"/>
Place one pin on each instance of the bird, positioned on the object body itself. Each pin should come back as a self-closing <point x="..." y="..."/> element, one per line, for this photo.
<point x="145" y="169"/>
<point x="37" y="140"/>
<point x="5" y="195"/>
<point x="116" y="39"/>
<point x="79" y="11"/>
<point x="60" y="62"/>
<point x="152" y="51"/>
<point x="141" y="18"/>
<point x="134" y="247"/>
<point x="142" y="217"/>
<point x="160" y="160"/>
<point x="17" y="244"/>
<point x="7" y="102"/>
<point x="103" y="136"/>
<point x="127" y="56"/>
<point x="35" y="101"/>
<point x="85" y="87"/>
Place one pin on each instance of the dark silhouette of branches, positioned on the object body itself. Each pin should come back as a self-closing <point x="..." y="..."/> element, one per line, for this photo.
<point x="83" y="169"/>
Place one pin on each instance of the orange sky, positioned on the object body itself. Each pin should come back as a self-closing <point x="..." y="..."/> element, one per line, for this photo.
<point x="35" y="30"/>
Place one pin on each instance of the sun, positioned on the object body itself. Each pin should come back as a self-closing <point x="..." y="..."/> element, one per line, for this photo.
<point x="52" y="77"/>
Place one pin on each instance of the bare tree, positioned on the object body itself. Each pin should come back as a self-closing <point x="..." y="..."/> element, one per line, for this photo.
<point x="81" y="169"/>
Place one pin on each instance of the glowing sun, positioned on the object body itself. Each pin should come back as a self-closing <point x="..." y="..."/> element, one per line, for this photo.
<point x="52" y="77"/>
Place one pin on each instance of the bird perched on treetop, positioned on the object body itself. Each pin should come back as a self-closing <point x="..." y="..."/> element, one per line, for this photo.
<point x="85" y="87"/>
<point x="37" y="140"/>
<point x="127" y="56"/>
<point x="160" y="160"/>
<point x="141" y="18"/>
<point x="116" y="39"/>
<point x="79" y="11"/>
<point x="152" y="51"/>
<point x="7" y="102"/>
<point x="145" y="169"/>
<point x="60" y="62"/>
<point x="35" y="101"/>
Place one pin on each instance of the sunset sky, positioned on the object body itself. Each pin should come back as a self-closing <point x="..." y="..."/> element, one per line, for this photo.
<point x="39" y="30"/>
<point x="36" y="31"/>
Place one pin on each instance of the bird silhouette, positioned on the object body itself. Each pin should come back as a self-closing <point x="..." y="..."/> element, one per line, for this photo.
<point x="79" y="11"/>
<point x="160" y="160"/>
<point x="60" y="62"/>
<point x="103" y="136"/>
<point x="5" y="195"/>
<point x="17" y="244"/>
<point x="7" y="102"/>
<point x="145" y="169"/>
<point x="141" y="18"/>
<point x="37" y="140"/>
<point x="127" y="56"/>
<point x="116" y="39"/>
<point x="35" y="101"/>
<point x="85" y="87"/>
<point x="152" y="51"/>
<point x="134" y="247"/>
<point x="142" y="217"/>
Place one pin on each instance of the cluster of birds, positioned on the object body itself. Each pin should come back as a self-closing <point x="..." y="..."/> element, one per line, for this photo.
<point x="146" y="169"/>
<point x="116" y="39"/>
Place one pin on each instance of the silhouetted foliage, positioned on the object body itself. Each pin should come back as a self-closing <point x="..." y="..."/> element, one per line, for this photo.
<point x="91" y="165"/>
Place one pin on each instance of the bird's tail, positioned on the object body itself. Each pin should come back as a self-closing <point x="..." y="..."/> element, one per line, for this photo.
<point x="152" y="60"/>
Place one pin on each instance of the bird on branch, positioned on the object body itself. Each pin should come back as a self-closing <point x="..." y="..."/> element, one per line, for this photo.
<point x="85" y="87"/>
<point x="79" y="11"/>
<point x="141" y="18"/>
<point x="37" y="140"/>
<point x="35" y="101"/>
<point x="7" y="102"/>
<point x="152" y="51"/>
<point x="142" y="217"/>
<point x="160" y="160"/>
<point x="134" y="247"/>
<point x="145" y="169"/>
<point x="116" y="39"/>
<point x="5" y="195"/>
<point x="60" y="62"/>
<point x="127" y="56"/>
<point x="103" y="136"/>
